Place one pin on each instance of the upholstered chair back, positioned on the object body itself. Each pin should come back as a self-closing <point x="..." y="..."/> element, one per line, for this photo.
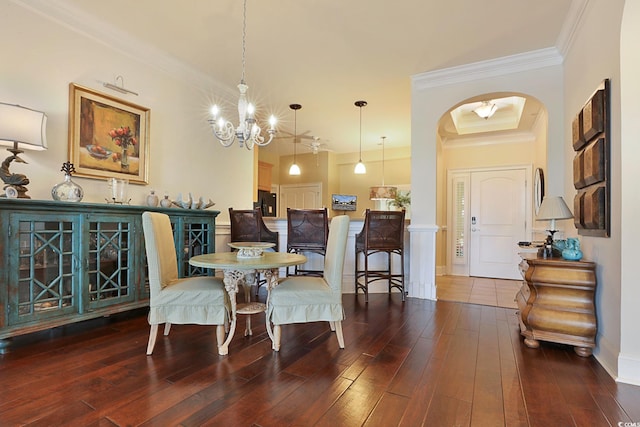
<point x="336" y="248"/>
<point x="161" y="251"/>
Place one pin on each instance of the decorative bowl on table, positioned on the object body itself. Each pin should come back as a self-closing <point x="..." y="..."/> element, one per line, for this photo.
<point x="250" y="249"/>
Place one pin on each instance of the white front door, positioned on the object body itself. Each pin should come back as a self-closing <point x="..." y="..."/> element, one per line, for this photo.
<point x="497" y="222"/>
<point x="303" y="196"/>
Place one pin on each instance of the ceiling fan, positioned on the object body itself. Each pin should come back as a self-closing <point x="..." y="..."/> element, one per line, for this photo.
<point x="316" y="146"/>
<point x="299" y="137"/>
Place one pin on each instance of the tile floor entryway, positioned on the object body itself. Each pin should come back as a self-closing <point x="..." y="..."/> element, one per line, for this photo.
<point x="478" y="290"/>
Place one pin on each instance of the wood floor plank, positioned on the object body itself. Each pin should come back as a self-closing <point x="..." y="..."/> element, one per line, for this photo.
<point x="354" y="405"/>
<point x="408" y="376"/>
<point x="488" y="402"/>
<point x="458" y="375"/>
<point x="448" y="411"/>
<point x="388" y="412"/>
<point x="515" y="412"/>
<point x="307" y="405"/>
<point x="421" y="398"/>
<point x="259" y="398"/>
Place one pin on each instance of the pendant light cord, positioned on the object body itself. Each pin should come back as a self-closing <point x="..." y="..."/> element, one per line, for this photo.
<point x="383" y="138"/>
<point x="360" y="159"/>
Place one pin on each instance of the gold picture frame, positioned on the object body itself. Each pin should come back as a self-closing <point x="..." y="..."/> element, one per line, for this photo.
<point x="108" y="137"/>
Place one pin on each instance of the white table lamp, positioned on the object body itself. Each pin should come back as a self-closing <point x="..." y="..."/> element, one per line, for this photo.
<point x="20" y="129"/>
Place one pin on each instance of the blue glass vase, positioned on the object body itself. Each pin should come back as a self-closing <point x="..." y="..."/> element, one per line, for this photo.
<point x="572" y="250"/>
<point x="572" y="254"/>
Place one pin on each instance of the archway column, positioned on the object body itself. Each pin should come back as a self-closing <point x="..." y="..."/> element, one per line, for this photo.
<point x="422" y="283"/>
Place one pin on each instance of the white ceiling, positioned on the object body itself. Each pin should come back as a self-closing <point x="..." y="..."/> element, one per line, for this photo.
<point x="323" y="54"/>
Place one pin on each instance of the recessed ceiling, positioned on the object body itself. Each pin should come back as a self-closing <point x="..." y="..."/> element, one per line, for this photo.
<point x="506" y="115"/>
<point x="515" y="114"/>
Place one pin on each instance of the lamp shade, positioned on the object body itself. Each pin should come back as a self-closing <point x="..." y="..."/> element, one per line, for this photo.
<point x="23" y="126"/>
<point x="294" y="169"/>
<point x="383" y="192"/>
<point x="553" y="208"/>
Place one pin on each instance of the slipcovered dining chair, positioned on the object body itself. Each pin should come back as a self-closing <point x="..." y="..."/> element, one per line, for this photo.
<point x="303" y="299"/>
<point x="198" y="300"/>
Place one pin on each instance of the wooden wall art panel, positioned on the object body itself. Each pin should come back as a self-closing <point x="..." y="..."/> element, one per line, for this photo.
<point x="577" y="133"/>
<point x="591" y="174"/>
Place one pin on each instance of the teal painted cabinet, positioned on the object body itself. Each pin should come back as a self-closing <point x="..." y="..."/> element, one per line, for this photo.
<point x="67" y="262"/>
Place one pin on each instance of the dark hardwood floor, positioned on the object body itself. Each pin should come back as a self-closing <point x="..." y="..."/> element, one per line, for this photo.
<point x="407" y="364"/>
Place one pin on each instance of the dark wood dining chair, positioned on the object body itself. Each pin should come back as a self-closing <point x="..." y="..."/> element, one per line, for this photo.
<point x="307" y="231"/>
<point x="248" y="226"/>
<point x="383" y="232"/>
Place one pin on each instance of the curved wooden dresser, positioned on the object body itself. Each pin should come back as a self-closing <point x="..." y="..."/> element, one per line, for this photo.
<point x="557" y="302"/>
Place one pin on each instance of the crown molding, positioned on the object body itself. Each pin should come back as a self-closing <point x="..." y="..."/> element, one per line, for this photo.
<point x="526" y="61"/>
<point x="571" y="25"/>
<point x="101" y="32"/>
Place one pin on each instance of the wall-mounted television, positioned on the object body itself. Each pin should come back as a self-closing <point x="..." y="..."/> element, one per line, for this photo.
<point x="343" y="202"/>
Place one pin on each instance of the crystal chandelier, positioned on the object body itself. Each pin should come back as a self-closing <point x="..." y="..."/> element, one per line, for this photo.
<point x="247" y="132"/>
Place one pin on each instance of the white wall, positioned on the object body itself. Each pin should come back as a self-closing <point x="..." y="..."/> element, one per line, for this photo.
<point x="629" y="358"/>
<point x="592" y="57"/>
<point x="41" y="57"/>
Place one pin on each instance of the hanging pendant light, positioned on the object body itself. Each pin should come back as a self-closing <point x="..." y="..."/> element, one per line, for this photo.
<point x="295" y="169"/>
<point x="247" y="132"/>
<point x="383" y="192"/>
<point x="360" y="167"/>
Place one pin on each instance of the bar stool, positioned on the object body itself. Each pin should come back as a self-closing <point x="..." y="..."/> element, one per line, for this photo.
<point x="307" y="231"/>
<point x="383" y="231"/>
<point x="248" y="226"/>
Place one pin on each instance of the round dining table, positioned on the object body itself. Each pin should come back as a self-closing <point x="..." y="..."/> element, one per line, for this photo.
<point x="243" y="271"/>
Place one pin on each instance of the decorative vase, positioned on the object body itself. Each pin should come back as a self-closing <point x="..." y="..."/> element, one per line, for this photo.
<point x="124" y="159"/>
<point x="67" y="190"/>
<point x="572" y="250"/>
<point x="165" y="203"/>
<point x="572" y="254"/>
<point x="152" y="199"/>
<point x="118" y="190"/>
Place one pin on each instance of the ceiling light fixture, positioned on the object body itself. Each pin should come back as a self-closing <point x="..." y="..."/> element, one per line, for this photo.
<point x="295" y="169"/>
<point x="360" y="167"/>
<point x="247" y="132"/>
<point x="486" y="109"/>
<point x="383" y="192"/>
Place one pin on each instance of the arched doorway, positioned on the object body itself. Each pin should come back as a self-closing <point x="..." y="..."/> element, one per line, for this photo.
<point x="487" y="170"/>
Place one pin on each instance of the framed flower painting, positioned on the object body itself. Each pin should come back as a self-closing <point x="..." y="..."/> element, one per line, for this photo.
<point x="108" y="137"/>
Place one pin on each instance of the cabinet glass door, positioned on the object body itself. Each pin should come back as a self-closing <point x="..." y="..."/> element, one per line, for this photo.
<point x="110" y="263"/>
<point x="193" y="238"/>
<point x="45" y="284"/>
